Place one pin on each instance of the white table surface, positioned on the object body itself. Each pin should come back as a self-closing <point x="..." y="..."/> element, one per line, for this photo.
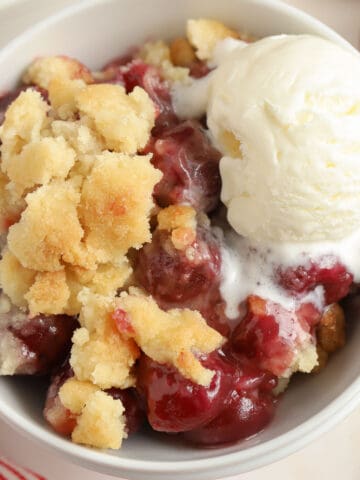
<point x="332" y="456"/>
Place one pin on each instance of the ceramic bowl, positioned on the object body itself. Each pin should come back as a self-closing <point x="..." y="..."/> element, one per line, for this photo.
<point x="95" y="31"/>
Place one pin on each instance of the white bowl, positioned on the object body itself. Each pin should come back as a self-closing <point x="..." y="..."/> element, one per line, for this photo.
<point x="95" y="31"/>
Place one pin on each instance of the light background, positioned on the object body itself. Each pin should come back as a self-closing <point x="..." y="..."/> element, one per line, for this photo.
<point x="335" y="454"/>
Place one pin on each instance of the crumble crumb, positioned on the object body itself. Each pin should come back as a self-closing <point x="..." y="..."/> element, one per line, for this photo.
<point x="176" y="216"/>
<point x="322" y="359"/>
<point x="15" y="280"/>
<point x="158" y="54"/>
<point x="174" y="337"/>
<point x="44" y="69"/>
<point x="203" y="34"/>
<point x="116" y="201"/>
<point x="99" y="353"/>
<point x="25" y="119"/>
<point x="39" y="162"/>
<point x="49" y="293"/>
<point x="105" y="280"/>
<point x="10" y="207"/>
<point x="82" y="137"/>
<point x="74" y="394"/>
<point x="40" y="240"/>
<point x="306" y="359"/>
<point x="10" y="359"/>
<point x="124" y="121"/>
<point x="180" y="220"/>
<point x="101" y="423"/>
<point x="63" y="94"/>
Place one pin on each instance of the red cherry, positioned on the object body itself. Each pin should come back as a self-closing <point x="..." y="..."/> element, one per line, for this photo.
<point x="177" y="280"/>
<point x="171" y="275"/>
<point x="176" y="404"/>
<point x="269" y="334"/>
<point x="246" y="411"/>
<point x="134" y="412"/>
<point x="190" y="166"/>
<point x="45" y="341"/>
<point x="243" y="415"/>
<point x="59" y="417"/>
<point x="328" y="272"/>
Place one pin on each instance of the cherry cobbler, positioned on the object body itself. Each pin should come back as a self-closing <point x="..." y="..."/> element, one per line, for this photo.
<point x="115" y="258"/>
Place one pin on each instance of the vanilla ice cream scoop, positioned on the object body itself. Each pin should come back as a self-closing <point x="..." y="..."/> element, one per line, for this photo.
<point x="285" y="112"/>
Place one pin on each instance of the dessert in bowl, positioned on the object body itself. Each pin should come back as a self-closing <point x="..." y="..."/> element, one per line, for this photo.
<point x="152" y="282"/>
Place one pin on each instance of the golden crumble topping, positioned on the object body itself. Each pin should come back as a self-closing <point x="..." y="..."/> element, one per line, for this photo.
<point x="49" y="293"/>
<point x="124" y="121"/>
<point x="63" y="94"/>
<point x="116" y="203"/>
<point x="174" y="337"/>
<point x="101" y="423"/>
<point x="39" y="240"/>
<point x="25" y="120"/>
<point x="56" y="165"/>
<point x="180" y="220"/>
<point x="74" y="394"/>
<point x="100" y="354"/>
<point x="159" y="54"/>
<point x="49" y="158"/>
<point x="45" y="69"/>
<point x="15" y="279"/>
<point x="203" y="34"/>
<point x="10" y="208"/>
<point x="82" y="137"/>
<point x="177" y="216"/>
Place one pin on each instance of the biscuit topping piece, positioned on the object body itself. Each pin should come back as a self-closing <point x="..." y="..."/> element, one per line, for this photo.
<point x="99" y="417"/>
<point x="115" y="204"/>
<point x="101" y="355"/>
<point x="40" y="240"/>
<point x="45" y="69"/>
<point x="123" y="120"/>
<point x="177" y="336"/>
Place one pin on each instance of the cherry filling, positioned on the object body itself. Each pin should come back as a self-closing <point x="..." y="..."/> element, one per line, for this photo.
<point x="45" y="341"/>
<point x="329" y="273"/>
<point x="187" y="278"/>
<point x="134" y="413"/>
<point x="173" y="275"/>
<point x="35" y="344"/>
<point x="59" y="417"/>
<point x="176" y="404"/>
<point x="64" y="422"/>
<point x="269" y="335"/>
<point x="181" y="150"/>
<point x="190" y="166"/>
<point x="243" y="415"/>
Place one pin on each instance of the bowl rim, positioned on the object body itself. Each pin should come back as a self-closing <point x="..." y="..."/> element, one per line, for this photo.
<point x="255" y="456"/>
<point x="263" y="453"/>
